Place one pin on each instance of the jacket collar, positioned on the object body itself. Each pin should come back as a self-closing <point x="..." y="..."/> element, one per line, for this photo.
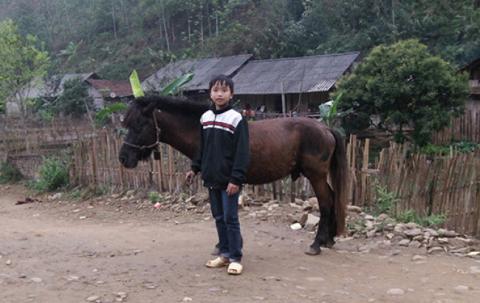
<point x="220" y="111"/>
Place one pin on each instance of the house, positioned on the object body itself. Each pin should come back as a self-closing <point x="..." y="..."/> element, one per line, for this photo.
<point x="203" y="70"/>
<point x="43" y="88"/>
<point x="279" y="85"/>
<point x="291" y="84"/>
<point x="109" y="91"/>
<point x="102" y="91"/>
<point x="473" y="70"/>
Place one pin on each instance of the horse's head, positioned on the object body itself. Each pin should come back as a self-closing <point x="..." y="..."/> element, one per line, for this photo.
<point x="143" y="133"/>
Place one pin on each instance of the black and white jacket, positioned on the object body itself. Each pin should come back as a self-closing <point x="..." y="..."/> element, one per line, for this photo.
<point x="224" y="152"/>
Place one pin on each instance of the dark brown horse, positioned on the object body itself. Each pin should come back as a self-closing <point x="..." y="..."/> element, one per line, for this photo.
<point x="278" y="148"/>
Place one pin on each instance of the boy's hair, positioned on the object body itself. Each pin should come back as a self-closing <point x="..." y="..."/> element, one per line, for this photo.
<point x="222" y="80"/>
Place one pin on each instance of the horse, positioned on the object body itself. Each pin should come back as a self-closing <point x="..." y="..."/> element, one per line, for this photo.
<point x="278" y="148"/>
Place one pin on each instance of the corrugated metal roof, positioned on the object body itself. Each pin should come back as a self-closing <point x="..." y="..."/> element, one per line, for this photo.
<point x="292" y="75"/>
<point x="203" y="69"/>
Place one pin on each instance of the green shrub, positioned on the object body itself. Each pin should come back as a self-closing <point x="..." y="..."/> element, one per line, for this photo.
<point x="9" y="173"/>
<point x="385" y="202"/>
<point x="443" y="150"/>
<point x="433" y="220"/>
<point x="53" y="175"/>
<point x="154" y="196"/>
<point x="408" y="216"/>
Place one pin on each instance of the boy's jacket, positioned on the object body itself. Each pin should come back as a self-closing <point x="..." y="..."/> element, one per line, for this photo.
<point x="224" y="151"/>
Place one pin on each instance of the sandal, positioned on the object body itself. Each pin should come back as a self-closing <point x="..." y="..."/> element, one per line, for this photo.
<point x="217" y="262"/>
<point x="235" y="268"/>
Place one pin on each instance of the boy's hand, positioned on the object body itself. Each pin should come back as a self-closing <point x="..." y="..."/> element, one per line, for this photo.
<point x="232" y="189"/>
<point x="189" y="177"/>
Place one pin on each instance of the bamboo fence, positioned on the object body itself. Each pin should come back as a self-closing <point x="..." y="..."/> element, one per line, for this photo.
<point x="441" y="185"/>
<point x="463" y="128"/>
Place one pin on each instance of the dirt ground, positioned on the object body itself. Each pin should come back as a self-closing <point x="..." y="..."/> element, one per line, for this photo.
<point x="98" y="252"/>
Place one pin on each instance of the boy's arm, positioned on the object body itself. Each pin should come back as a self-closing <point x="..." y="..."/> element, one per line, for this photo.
<point x="197" y="159"/>
<point x="242" y="154"/>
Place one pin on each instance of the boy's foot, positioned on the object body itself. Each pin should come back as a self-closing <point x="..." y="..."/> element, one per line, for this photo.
<point x="217" y="262"/>
<point x="235" y="268"/>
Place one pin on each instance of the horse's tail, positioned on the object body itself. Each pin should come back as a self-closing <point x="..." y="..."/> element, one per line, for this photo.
<point x="338" y="173"/>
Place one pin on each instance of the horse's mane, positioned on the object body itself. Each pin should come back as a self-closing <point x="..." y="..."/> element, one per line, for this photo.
<point x="176" y="105"/>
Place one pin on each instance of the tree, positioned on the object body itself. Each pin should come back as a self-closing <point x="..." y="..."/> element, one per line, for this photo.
<point x="74" y="101"/>
<point x="403" y="85"/>
<point x="21" y="64"/>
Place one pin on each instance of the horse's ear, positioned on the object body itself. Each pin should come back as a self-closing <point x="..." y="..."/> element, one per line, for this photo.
<point x="142" y="102"/>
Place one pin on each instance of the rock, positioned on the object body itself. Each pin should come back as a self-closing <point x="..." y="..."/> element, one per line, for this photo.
<point x="121" y="296"/>
<point x="187" y="299"/>
<point x="383" y="217"/>
<point x="466" y="241"/>
<point x="418" y="258"/>
<point x="55" y="196"/>
<point x="371" y="233"/>
<point x="473" y="254"/>
<point x="418" y="238"/>
<point x="303" y="219"/>
<point x="412" y="232"/>
<point x="435" y="249"/>
<point x="389" y="236"/>
<point x="36" y="280"/>
<point x="369" y="217"/>
<point x="411" y="225"/>
<point x="396" y="292"/>
<point x="8" y="262"/>
<point x="313" y="202"/>
<point x="294" y="205"/>
<point x="72" y="278"/>
<point x="298" y="201"/>
<point x="315" y="279"/>
<point x="369" y="225"/>
<point x="404" y="242"/>
<point x="432" y="232"/>
<point x="311" y="222"/>
<point x="415" y="244"/>
<point x="475" y="269"/>
<point x="461" y="288"/>
<point x="442" y="240"/>
<point x="258" y="298"/>
<point x="354" y="209"/>
<point x="296" y="226"/>
<point x="273" y="206"/>
<point x="446" y="233"/>
<point x="399" y="228"/>
<point x="130" y="192"/>
<point x="93" y="299"/>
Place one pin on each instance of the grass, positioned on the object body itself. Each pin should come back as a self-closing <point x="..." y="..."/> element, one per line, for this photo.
<point x="386" y="203"/>
<point x="53" y="175"/>
<point x="9" y="173"/>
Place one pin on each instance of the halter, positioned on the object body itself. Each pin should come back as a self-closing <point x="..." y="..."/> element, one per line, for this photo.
<point x="158" y="131"/>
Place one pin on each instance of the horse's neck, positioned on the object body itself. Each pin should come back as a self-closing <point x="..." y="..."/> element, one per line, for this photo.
<point x="180" y="132"/>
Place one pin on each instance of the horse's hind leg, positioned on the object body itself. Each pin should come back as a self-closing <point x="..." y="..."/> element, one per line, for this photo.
<point x="327" y="227"/>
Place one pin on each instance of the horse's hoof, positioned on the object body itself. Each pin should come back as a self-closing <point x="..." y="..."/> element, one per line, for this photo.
<point x="330" y="244"/>
<point x="312" y="251"/>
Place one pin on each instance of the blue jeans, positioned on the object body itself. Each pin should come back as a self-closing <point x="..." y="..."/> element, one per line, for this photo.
<point x="225" y="212"/>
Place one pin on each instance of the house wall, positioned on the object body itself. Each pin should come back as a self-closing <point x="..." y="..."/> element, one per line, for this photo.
<point x="98" y="101"/>
<point x="293" y="102"/>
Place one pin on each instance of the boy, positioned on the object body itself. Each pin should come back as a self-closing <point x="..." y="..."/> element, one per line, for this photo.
<point x="223" y="160"/>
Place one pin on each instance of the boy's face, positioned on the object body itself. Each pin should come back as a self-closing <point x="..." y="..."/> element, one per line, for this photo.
<point x="220" y="94"/>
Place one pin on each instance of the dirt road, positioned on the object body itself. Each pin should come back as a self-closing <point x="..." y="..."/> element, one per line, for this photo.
<point x="87" y="251"/>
